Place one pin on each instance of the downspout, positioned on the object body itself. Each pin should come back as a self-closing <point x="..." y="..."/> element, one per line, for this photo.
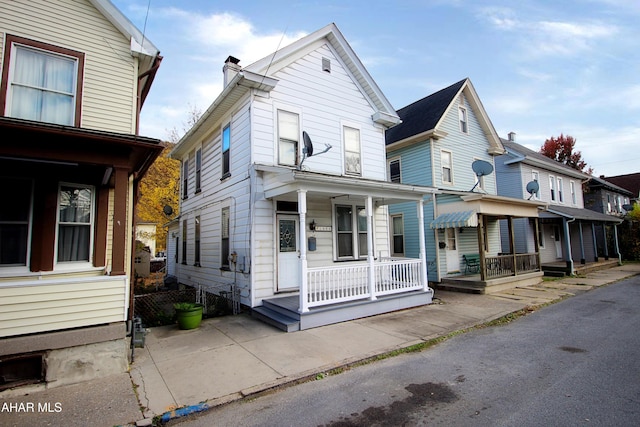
<point x="615" y="235"/>
<point x="436" y="234"/>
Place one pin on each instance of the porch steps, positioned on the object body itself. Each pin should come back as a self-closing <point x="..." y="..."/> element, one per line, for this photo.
<point x="276" y="319"/>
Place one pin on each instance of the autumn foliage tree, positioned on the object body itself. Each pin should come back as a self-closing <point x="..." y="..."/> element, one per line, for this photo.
<point x="159" y="188"/>
<point x="561" y="149"/>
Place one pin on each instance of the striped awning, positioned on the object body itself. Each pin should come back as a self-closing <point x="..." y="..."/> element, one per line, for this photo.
<point x="455" y="220"/>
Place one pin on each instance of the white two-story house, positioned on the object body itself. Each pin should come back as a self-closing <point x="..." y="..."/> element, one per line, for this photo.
<point x="74" y="75"/>
<point x="284" y="191"/>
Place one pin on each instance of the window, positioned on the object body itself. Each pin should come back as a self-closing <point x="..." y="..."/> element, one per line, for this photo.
<point x="224" y="244"/>
<point x="552" y="187"/>
<point x="288" y="138"/>
<point x="226" y="144"/>
<point x="185" y="179"/>
<point x="352" y="151"/>
<point x="44" y="82"/>
<point x="184" y="242"/>
<point x="397" y="229"/>
<point x="447" y="167"/>
<point x="560" y="191"/>
<point x="351" y="231"/>
<point x="540" y="237"/>
<point x="462" y="115"/>
<point x="197" y="243"/>
<point x="394" y="171"/>
<point x="198" y="170"/>
<point x="608" y="202"/>
<point x="618" y="204"/>
<point x="75" y="222"/>
<point x="572" y="188"/>
<point x="15" y="218"/>
<point x="535" y="176"/>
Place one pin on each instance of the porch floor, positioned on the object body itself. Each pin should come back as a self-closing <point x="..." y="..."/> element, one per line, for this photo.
<point x="282" y="312"/>
<point x="473" y="284"/>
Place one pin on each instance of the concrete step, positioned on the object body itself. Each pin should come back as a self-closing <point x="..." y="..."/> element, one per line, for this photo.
<point x="276" y="319"/>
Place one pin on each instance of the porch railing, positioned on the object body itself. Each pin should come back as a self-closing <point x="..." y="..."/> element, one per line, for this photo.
<point x="330" y="285"/>
<point x="503" y="265"/>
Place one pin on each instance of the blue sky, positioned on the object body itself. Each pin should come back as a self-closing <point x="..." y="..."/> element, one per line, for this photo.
<point x="541" y="68"/>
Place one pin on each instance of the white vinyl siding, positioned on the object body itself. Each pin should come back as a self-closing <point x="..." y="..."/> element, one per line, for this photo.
<point x="110" y="71"/>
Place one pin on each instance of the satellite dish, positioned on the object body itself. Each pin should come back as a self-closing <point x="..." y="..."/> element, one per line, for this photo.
<point x="307" y="150"/>
<point x="627" y="208"/>
<point x="481" y="168"/>
<point x="168" y="210"/>
<point x="532" y="188"/>
<point x="308" y="146"/>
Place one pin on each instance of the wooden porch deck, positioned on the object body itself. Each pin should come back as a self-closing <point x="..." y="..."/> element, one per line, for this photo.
<point x="283" y="312"/>
<point x="473" y="284"/>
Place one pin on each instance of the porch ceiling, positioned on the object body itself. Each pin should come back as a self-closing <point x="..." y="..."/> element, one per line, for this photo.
<point x="286" y="181"/>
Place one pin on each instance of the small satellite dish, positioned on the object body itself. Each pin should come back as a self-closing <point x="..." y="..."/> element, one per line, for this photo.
<point x="307" y="150"/>
<point x="308" y="146"/>
<point x="627" y="208"/>
<point x="168" y="210"/>
<point x="532" y="188"/>
<point x="481" y="168"/>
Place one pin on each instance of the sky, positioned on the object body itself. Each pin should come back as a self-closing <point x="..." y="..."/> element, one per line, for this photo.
<point x="541" y="68"/>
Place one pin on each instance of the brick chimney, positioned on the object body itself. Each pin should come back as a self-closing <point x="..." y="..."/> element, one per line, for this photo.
<point x="511" y="136"/>
<point x="230" y="69"/>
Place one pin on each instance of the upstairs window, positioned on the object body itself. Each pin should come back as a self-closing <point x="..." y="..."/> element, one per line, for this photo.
<point x="447" y="167"/>
<point x="394" y="171"/>
<point x="535" y="176"/>
<point x="41" y="82"/>
<point x="462" y="115"/>
<point x="572" y="188"/>
<point x="560" y="191"/>
<point x="352" y="151"/>
<point x="75" y="222"/>
<point x="15" y="223"/>
<point x="226" y="145"/>
<point x="185" y="178"/>
<point x="552" y="188"/>
<point x="288" y="138"/>
<point x="198" y="170"/>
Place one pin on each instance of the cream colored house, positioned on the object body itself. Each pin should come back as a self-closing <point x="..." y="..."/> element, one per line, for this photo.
<point x="74" y="75"/>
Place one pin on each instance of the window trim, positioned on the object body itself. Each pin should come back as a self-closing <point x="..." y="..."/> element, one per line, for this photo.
<point x="198" y="172"/>
<point x="225" y="172"/>
<point x="560" y="192"/>
<point x="442" y="167"/>
<point x="63" y="265"/>
<point x="8" y="67"/>
<point x="355" y="231"/>
<point x="344" y="127"/>
<point x="535" y="176"/>
<point x="552" y="188"/>
<point x="224" y="261"/>
<point x="26" y="268"/>
<point x="397" y="159"/>
<point x="185" y="178"/>
<point x="572" y="189"/>
<point x="463" y="119"/>
<point x="278" y="138"/>
<point x="393" y="235"/>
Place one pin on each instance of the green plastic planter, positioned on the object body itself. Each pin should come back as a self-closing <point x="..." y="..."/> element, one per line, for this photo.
<point x="189" y="318"/>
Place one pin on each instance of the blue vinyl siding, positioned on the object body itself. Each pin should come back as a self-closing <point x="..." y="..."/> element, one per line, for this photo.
<point x="415" y="162"/>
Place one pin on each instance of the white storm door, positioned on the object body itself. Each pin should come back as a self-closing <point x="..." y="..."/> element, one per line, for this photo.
<point x="288" y="254"/>
<point x="558" y="241"/>
<point x="451" y="250"/>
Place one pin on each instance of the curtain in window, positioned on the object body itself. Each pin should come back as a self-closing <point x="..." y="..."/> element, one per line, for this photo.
<point x="74" y="232"/>
<point x="43" y="87"/>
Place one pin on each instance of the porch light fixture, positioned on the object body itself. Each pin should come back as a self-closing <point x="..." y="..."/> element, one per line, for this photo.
<point x="312" y="226"/>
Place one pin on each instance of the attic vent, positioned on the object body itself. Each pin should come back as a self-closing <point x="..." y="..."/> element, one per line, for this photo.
<point x="326" y="65"/>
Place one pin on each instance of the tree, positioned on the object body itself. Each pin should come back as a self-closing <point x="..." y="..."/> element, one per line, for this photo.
<point x="561" y="149"/>
<point x="159" y="188"/>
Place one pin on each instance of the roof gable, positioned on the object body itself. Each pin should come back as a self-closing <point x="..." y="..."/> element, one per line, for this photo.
<point x="520" y="153"/>
<point x="423" y="118"/>
<point x="630" y="182"/>
<point x="331" y="35"/>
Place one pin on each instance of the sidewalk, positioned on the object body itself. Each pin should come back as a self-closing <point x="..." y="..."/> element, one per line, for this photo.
<point x="231" y="357"/>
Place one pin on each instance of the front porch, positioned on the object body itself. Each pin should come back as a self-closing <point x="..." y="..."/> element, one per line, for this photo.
<point x="559" y="269"/>
<point x="338" y="294"/>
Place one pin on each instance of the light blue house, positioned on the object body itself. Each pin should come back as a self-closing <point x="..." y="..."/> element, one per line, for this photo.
<point x="439" y="141"/>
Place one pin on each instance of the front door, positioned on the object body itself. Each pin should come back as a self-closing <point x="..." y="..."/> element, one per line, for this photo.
<point x="451" y="250"/>
<point x="557" y="240"/>
<point x="288" y="255"/>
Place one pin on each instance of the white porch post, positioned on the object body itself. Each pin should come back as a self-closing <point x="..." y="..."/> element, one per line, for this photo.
<point x="423" y="246"/>
<point x="372" y="271"/>
<point x="302" y="244"/>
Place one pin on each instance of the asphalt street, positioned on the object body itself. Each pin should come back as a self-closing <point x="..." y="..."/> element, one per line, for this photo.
<point x="576" y="362"/>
